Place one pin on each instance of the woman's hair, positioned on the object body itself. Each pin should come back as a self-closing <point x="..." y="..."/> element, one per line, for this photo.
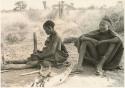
<point x="106" y="18"/>
<point x="108" y="21"/>
<point x="49" y="23"/>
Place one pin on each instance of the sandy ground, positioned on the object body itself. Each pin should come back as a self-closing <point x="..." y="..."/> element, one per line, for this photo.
<point x="85" y="79"/>
<point x="68" y="27"/>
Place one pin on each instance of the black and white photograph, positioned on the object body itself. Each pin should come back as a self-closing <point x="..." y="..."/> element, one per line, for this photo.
<point x="62" y="43"/>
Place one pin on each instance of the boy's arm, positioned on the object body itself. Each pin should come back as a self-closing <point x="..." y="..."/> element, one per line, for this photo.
<point x="64" y="48"/>
<point x="51" y="52"/>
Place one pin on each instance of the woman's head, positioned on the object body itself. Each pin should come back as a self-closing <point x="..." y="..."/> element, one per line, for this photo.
<point x="105" y="24"/>
<point x="49" y="27"/>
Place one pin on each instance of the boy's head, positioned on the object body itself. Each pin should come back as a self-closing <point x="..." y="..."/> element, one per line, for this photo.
<point x="49" y="27"/>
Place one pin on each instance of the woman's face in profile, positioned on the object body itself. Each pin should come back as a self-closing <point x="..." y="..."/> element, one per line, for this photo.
<point x="103" y="26"/>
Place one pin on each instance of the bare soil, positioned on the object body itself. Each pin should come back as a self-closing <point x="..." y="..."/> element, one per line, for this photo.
<point x="85" y="79"/>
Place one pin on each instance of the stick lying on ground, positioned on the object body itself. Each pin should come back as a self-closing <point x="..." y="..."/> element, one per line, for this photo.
<point x="59" y="79"/>
<point x="29" y="73"/>
<point x="15" y="66"/>
<point x="17" y="62"/>
<point x="65" y="75"/>
<point x="50" y="81"/>
<point x="4" y="71"/>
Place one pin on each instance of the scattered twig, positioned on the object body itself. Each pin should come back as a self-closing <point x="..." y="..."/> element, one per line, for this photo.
<point x="4" y="71"/>
<point x="29" y="73"/>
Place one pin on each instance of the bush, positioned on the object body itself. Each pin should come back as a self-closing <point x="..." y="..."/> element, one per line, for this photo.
<point x="15" y="32"/>
<point x="20" y="25"/>
<point x="34" y="15"/>
<point x="118" y="21"/>
<point x="53" y="14"/>
<point x="14" y="38"/>
<point x="119" y="26"/>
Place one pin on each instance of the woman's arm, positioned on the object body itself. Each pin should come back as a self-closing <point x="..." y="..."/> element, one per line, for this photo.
<point x="112" y="40"/>
<point x="84" y="38"/>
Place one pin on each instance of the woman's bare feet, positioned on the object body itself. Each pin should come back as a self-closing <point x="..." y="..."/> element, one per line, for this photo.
<point x="99" y="70"/>
<point x="77" y="69"/>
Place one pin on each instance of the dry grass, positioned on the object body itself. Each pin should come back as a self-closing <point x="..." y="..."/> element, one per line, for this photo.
<point x="17" y="27"/>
